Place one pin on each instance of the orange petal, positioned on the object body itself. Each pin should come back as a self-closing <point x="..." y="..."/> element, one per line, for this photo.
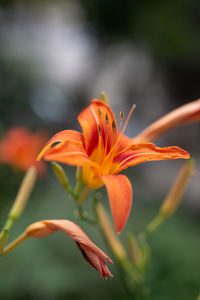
<point x="94" y="255"/>
<point x="120" y="197"/>
<point x="188" y="113"/>
<point x="99" y="125"/>
<point x="142" y="152"/>
<point x="62" y="137"/>
<point x="68" y="153"/>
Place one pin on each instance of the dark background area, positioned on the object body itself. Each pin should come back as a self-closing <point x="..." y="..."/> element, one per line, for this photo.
<point x="54" y="58"/>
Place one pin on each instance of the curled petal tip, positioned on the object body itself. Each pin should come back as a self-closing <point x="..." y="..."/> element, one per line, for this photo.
<point x="93" y="255"/>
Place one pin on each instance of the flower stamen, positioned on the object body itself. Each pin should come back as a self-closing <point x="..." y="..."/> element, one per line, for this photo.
<point x="99" y="129"/>
<point x="121" y="116"/>
<point x="107" y="120"/>
<point x="128" y="117"/>
<point x="113" y="125"/>
<point x="99" y="112"/>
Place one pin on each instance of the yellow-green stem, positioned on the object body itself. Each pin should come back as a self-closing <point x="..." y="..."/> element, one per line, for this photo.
<point x="157" y="221"/>
<point x="23" y="194"/>
<point x="111" y="238"/>
<point x="117" y="249"/>
<point x="79" y="180"/>
<point x="83" y="195"/>
<point x="15" y="243"/>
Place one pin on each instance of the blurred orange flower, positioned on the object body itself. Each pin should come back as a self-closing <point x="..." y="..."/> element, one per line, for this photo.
<point x="93" y="255"/>
<point x="103" y="151"/>
<point x="19" y="148"/>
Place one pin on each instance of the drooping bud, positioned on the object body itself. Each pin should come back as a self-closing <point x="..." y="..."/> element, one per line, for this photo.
<point x="93" y="255"/>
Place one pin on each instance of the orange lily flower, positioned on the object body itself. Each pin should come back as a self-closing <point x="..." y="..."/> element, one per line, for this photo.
<point x="93" y="255"/>
<point x="20" y="147"/>
<point x="103" y="151"/>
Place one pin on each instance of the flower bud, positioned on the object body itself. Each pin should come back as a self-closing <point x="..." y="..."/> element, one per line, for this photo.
<point x="104" y="97"/>
<point x="173" y="199"/>
<point x="61" y="176"/>
<point x="23" y="194"/>
<point x="188" y="113"/>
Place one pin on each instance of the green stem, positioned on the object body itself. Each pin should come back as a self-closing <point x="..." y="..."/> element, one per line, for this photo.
<point x="78" y="187"/>
<point x="157" y="221"/>
<point x="61" y="176"/>
<point x="131" y="278"/>
<point x="83" y="216"/>
<point x="70" y="191"/>
<point x="83" y="195"/>
<point x="14" y="244"/>
<point x="79" y="181"/>
<point x="4" y="233"/>
<point x="18" y="205"/>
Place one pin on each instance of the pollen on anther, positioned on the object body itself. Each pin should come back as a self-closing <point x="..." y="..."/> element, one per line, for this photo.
<point x="113" y="125"/>
<point x="99" y="112"/>
<point x="121" y="116"/>
<point x="99" y="129"/>
<point x="107" y="121"/>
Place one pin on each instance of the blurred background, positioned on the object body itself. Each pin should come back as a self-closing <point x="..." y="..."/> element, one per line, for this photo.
<point x="55" y="56"/>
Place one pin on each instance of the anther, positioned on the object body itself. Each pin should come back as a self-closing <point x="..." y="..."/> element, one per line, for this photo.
<point x="99" y="112"/>
<point x="113" y="125"/>
<point x="121" y="116"/>
<point x="99" y="129"/>
<point x="107" y="121"/>
<point x="55" y="144"/>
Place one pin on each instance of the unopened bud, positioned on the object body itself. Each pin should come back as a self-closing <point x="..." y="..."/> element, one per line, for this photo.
<point x="104" y="97"/>
<point x="134" y="249"/>
<point x="79" y="180"/>
<point x="173" y="199"/>
<point x="139" y="252"/>
<point x="60" y="174"/>
<point x="113" y="241"/>
<point x="23" y="194"/>
<point x="39" y="230"/>
<point x="79" y="173"/>
<point x="188" y="113"/>
<point x="174" y="196"/>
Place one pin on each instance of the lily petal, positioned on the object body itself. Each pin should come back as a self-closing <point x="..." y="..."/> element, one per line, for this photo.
<point x="141" y="152"/>
<point x="60" y="138"/>
<point x="98" y="124"/>
<point x="94" y="255"/>
<point x="120" y="197"/>
<point x="68" y="153"/>
<point x="188" y="113"/>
